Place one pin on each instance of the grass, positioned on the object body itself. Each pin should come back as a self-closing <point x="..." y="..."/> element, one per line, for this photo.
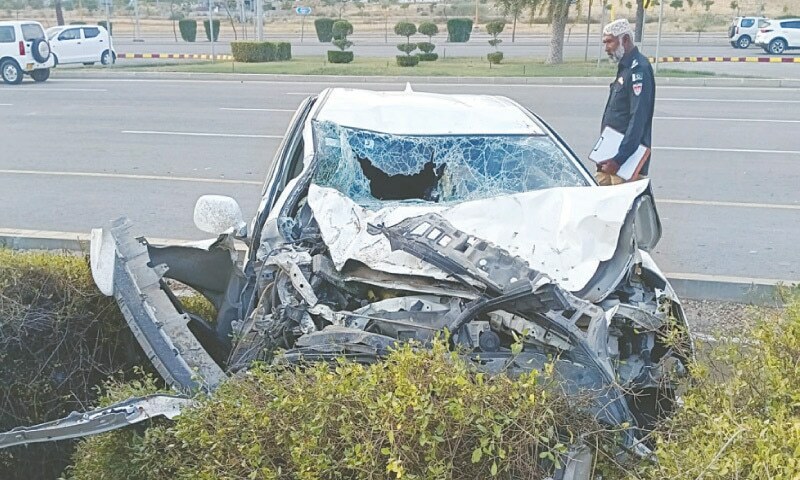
<point x="376" y="66"/>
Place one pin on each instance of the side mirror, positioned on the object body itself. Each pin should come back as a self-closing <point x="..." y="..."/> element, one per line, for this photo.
<point x="219" y="215"/>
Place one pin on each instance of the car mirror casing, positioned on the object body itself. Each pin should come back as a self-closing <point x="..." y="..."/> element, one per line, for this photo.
<point x="219" y="214"/>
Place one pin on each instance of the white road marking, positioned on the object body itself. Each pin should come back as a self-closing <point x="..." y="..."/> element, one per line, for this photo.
<point x="729" y="279"/>
<point x="6" y="105"/>
<point x="711" y="203"/>
<point x="729" y="150"/>
<point x="54" y="89"/>
<point x="717" y="119"/>
<point x="199" y="134"/>
<point x="258" y="109"/>
<point x="132" y="177"/>
<point x="725" y="100"/>
<point x="302" y="94"/>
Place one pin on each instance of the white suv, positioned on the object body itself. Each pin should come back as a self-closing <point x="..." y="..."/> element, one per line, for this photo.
<point x="777" y="36"/>
<point x="744" y="29"/>
<point x="24" y="51"/>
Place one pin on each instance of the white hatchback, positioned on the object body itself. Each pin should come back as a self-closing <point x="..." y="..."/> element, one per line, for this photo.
<point x="24" y="51"/>
<point x="86" y="44"/>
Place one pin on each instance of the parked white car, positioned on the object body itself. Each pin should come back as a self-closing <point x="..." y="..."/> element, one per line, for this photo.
<point x="777" y="36"/>
<point x="86" y="44"/>
<point x="24" y="50"/>
<point x="744" y="29"/>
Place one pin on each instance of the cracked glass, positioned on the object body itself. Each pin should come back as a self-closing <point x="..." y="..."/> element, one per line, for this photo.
<point x="372" y="167"/>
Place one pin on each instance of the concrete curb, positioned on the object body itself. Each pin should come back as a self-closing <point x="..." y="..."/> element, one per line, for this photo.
<point x="328" y="79"/>
<point x="752" y="291"/>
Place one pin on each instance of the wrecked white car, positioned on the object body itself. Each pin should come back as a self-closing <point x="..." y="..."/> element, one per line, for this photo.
<point x="396" y="216"/>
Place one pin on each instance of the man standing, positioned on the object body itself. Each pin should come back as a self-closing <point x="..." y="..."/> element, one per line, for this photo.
<point x="631" y="102"/>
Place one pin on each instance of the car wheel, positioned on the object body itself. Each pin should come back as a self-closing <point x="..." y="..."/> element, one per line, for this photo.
<point x="104" y="58"/>
<point x="40" y="75"/>
<point x="734" y="45"/>
<point x="11" y="72"/>
<point x="41" y="50"/>
<point x="744" y="41"/>
<point x="777" y="46"/>
<point x="55" y="60"/>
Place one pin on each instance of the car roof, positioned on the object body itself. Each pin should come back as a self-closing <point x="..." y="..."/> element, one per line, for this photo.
<point x="18" y="22"/>
<point x="422" y="113"/>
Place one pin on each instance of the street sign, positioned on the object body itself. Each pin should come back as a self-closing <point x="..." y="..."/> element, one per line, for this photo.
<point x="303" y="11"/>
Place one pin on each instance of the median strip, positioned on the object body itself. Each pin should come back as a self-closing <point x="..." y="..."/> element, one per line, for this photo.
<point x="726" y="59"/>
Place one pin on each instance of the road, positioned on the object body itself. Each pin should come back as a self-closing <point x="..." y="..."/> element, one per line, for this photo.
<point x="725" y="167"/>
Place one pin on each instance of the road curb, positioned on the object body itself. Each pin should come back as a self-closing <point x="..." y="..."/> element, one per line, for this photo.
<point x="327" y="79"/>
<point x="753" y="291"/>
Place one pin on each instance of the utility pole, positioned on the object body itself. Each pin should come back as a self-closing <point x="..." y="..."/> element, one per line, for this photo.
<point x="658" y="39"/>
<point x="588" y="23"/>
<point x="211" y="29"/>
<point x="110" y="37"/>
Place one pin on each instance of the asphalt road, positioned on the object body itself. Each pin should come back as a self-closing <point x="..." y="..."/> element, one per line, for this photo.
<point x="82" y="152"/>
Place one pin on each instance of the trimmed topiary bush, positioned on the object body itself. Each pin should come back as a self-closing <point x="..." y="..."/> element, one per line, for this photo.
<point x="255" y="52"/>
<point x="284" y="52"/>
<point x="494" y="29"/>
<point x="428" y="29"/>
<point x="495" y="57"/>
<point x="324" y="28"/>
<point x="459" y="30"/>
<point x="208" y="30"/>
<point x="428" y="57"/>
<point x="407" y="60"/>
<point x="188" y="30"/>
<point x="341" y="29"/>
<point x="406" y="29"/>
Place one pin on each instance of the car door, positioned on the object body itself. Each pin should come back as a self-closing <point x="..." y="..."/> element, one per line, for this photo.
<point x="69" y="46"/>
<point x="93" y="44"/>
<point x="792" y="30"/>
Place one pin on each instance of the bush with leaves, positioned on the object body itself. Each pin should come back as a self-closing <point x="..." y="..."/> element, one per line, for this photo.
<point x="324" y="29"/>
<point x="207" y="28"/>
<point x="494" y="29"/>
<point x="254" y="52"/>
<point x="459" y="30"/>
<point x="341" y="29"/>
<point x="421" y="413"/>
<point x="406" y="29"/>
<point x="428" y="29"/>
<point x="188" y="29"/>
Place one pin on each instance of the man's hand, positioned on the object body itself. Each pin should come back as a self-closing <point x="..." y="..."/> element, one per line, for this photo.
<point x="609" y="166"/>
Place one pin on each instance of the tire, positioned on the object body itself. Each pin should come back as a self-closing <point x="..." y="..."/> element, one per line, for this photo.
<point x="40" y="75"/>
<point x="105" y="57"/>
<point x="11" y="72"/>
<point x="40" y="50"/>
<point x="734" y="45"/>
<point x="55" y="60"/>
<point x="777" y="46"/>
<point x="88" y="64"/>
<point x="743" y="42"/>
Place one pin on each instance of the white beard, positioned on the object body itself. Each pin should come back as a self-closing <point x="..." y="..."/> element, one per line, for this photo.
<point x="617" y="54"/>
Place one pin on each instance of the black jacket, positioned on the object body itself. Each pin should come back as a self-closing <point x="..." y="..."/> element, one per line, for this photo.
<point x="630" y="105"/>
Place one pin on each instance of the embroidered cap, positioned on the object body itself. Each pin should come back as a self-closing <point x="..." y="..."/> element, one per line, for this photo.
<point x="618" y="28"/>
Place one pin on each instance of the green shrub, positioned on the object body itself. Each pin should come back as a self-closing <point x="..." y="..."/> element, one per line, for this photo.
<point x="284" y="51"/>
<point x="459" y="30"/>
<point x="741" y="414"/>
<point x="324" y="28"/>
<point x="429" y="29"/>
<point x="428" y="57"/>
<point x="339" y="56"/>
<point x="407" y="60"/>
<point x="407" y="48"/>
<point x="60" y="339"/>
<point x="421" y="413"/>
<point x="188" y="30"/>
<point x="425" y="47"/>
<point x="406" y="29"/>
<point x="495" y="57"/>
<point x="107" y="26"/>
<point x="207" y="28"/>
<point x="256" y="52"/>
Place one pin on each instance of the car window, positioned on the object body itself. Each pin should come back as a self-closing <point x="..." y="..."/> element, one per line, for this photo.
<point x="70" y="34"/>
<point x="91" y="32"/>
<point x="790" y="24"/>
<point x="763" y="23"/>
<point x="31" y="31"/>
<point x="748" y="22"/>
<point x="7" y="35"/>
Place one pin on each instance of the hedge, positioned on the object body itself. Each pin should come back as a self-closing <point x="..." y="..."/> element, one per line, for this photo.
<point x="256" y="52"/>
<point x="188" y="30"/>
<point x="407" y="60"/>
<point x="208" y="30"/>
<point x="428" y="57"/>
<point x="338" y="56"/>
<point x="495" y="57"/>
<point x="459" y="29"/>
<point x="324" y="28"/>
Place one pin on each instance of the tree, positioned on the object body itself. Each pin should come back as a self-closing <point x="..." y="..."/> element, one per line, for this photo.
<point x="341" y="29"/>
<point x="494" y="29"/>
<point x="406" y="29"/>
<point x="59" y="12"/>
<point x="735" y="7"/>
<point x="558" y="12"/>
<point x="676" y="5"/>
<point x="514" y="8"/>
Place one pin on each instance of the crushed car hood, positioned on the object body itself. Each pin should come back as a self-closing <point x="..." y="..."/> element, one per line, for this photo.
<point x="566" y="233"/>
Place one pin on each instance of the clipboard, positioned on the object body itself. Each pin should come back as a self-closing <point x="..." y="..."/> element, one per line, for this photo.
<point x="607" y="146"/>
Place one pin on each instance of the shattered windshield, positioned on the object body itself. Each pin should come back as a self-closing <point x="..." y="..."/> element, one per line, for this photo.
<point x="371" y="167"/>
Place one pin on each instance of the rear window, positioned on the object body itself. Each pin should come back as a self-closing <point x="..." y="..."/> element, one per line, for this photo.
<point x="790" y="24"/>
<point x="763" y="23"/>
<point x="7" y="35"/>
<point x="748" y="22"/>
<point x="31" y="31"/>
<point x="91" y="32"/>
